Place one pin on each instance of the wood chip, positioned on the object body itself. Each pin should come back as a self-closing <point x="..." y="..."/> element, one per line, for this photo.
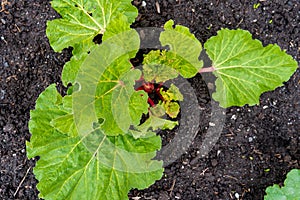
<point x="157" y="7"/>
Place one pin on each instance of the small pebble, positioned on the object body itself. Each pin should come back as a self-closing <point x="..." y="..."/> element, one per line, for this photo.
<point x="237" y="195"/>
<point x="250" y="139"/>
<point x="214" y="162"/>
<point x="265" y="107"/>
<point x="8" y="128"/>
<point x="3" y="21"/>
<point x="2" y="94"/>
<point x="5" y="64"/>
<point x="144" y="4"/>
<point x="210" y="86"/>
<point x="211" y="124"/>
<point x="287" y="158"/>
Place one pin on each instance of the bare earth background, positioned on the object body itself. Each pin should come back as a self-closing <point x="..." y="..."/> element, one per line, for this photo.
<point x="258" y="145"/>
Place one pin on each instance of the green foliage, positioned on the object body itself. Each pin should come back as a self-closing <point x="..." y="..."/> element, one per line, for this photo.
<point x="245" y="69"/>
<point x="155" y="120"/>
<point x="157" y="66"/>
<point x="91" y="142"/>
<point x="290" y="190"/>
<point x="184" y="50"/>
<point x="96" y="166"/>
<point x="81" y="21"/>
<point x="172" y="94"/>
<point x="170" y="97"/>
<point x="182" y="58"/>
<point x="106" y="87"/>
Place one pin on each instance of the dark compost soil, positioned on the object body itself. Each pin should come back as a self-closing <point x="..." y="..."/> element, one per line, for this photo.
<point x="258" y="144"/>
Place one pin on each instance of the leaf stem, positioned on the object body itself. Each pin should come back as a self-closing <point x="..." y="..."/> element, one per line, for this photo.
<point x="157" y="91"/>
<point x="151" y="102"/>
<point x="207" y="69"/>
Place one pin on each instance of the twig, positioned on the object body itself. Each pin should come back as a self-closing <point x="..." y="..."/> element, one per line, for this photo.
<point x="157" y="7"/>
<point x="203" y="172"/>
<point x="3" y="4"/>
<point x="172" y="187"/>
<point x="239" y="23"/>
<point x="22" y="181"/>
<point x="18" y="28"/>
<point x="228" y="176"/>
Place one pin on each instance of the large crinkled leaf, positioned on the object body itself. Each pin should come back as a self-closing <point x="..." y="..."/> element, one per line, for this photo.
<point x="245" y="69"/>
<point x="290" y="190"/>
<point x="81" y="50"/>
<point x="67" y="169"/>
<point x="184" y="50"/>
<point x="106" y="83"/>
<point x="82" y="20"/>
<point x="120" y="102"/>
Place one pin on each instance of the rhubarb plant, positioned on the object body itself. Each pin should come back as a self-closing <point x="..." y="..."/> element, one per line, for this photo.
<point x="99" y="140"/>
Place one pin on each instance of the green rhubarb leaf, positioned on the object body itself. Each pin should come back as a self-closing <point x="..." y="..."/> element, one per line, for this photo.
<point x="92" y="167"/>
<point x="290" y="190"/>
<point x="172" y="108"/>
<point x="157" y="67"/>
<point x="82" y="49"/>
<point x="137" y="133"/>
<point x="245" y="69"/>
<point x="136" y="107"/>
<point x="172" y="94"/>
<point x="185" y="49"/>
<point x="82" y="20"/>
<point x="106" y="85"/>
<point x="121" y="97"/>
<point x="170" y="97"/>
<point x="64" y="124"/>
<point x="80" y="23"/>
<point x="155" y="121"/>
<point x="157" y="111"/>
